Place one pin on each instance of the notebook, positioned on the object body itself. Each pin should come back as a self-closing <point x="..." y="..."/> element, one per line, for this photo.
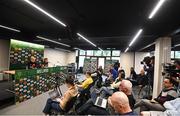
<point x="101" y="102"/>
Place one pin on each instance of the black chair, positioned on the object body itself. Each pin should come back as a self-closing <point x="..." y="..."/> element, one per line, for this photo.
<point x="85" y="94"/>
<point x="69" y="106"/>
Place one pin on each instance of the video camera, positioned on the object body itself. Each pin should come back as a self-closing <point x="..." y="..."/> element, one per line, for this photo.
<point x="170" y="69"/>
<point x="147" y="60"/>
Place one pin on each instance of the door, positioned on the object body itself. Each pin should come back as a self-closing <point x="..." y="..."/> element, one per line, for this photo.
<point x="101" y="62"/>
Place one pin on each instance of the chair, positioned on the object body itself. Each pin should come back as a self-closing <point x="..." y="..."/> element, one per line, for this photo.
<point x="69" y="106"/>
<point x="85" y="94"/>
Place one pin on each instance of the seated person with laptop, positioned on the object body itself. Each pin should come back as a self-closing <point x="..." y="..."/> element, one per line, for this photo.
<point x="91" y="107"/>
<point x="86" y="83"/>
<point x="59" y="105"/>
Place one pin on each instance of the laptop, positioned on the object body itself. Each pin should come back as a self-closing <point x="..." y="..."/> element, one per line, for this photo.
<point x="101" y="102"/>
<point x="54" y="94"/>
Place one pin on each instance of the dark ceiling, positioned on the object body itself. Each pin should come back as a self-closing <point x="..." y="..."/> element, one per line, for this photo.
<point x="107" y="23"/>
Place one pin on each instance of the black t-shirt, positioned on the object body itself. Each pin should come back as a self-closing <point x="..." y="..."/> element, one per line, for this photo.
<point x="132" y="101"/>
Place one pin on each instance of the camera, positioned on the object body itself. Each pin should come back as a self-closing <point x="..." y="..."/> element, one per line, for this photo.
<point x="142" y="62"/>
<point x="146" y="60"/>
<point x="170" y="69"/>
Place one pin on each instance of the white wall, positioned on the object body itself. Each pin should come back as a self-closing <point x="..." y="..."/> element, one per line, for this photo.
<point x="139" y="56"/>
<point x="57" y="57"/>
<point x="71" y="57"/>
<point x="4" y="54"/>
<point x="127" y="61"/>
<point x="131" y="59"/>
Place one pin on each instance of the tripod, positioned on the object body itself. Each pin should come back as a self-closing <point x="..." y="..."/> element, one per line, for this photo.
<point x="148" y="88"/>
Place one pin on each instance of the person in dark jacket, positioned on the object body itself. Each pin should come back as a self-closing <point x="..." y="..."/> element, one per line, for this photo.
<point x="126" y="87"/>
<point x="116" y="65"/>
<point x="168" y="93"/>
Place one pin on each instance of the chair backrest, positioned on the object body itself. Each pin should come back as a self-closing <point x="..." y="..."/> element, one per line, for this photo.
<point x="70" y="103"/>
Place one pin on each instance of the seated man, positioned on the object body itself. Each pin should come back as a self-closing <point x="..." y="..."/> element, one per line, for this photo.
<point x="86" y="83"/>
<point x="60" y="105"/>
<point x="113" y="72"/>
<point x="172" y="109"/>
<point x="141" y="78"/>
<point x="120" y="104"/>
<point x="126" y="87"/>
<point x="107" y="91"/>
<point x="168" y="93"/>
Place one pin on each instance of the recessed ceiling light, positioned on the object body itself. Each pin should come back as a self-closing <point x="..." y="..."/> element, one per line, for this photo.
<point x="9" y="28"/>
<point x="44" y="12"/>
<point x="53" y="41"/>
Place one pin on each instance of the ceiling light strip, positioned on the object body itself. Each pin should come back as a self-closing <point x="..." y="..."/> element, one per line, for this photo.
<point x="156" y="8"/>
<point x="77" y="48"/>
<point x="135" y="37"/>
<point x="9" y="28"/>
<point x="126" y="49"/>
<point x="86" y="39"/>
<point x="176" y="45"/>
<point x="100" y="48"/>
<point x="46" y="13"/>
<point x="53" y="41"/>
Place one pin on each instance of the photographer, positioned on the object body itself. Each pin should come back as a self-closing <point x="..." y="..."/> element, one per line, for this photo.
<point x="149" y="68"/>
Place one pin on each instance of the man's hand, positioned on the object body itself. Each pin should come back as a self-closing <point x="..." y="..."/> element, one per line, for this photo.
<point x="58" y="100"/>
<point x="153" y="101"/>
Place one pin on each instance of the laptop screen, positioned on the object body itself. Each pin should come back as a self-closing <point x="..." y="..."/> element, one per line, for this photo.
<point x="101" y="102"/>
<point x="54" y="94"/>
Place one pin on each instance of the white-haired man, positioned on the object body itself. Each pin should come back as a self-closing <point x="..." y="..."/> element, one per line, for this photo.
<point x="120" y="103"/>
<point x="126" y="87"/>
